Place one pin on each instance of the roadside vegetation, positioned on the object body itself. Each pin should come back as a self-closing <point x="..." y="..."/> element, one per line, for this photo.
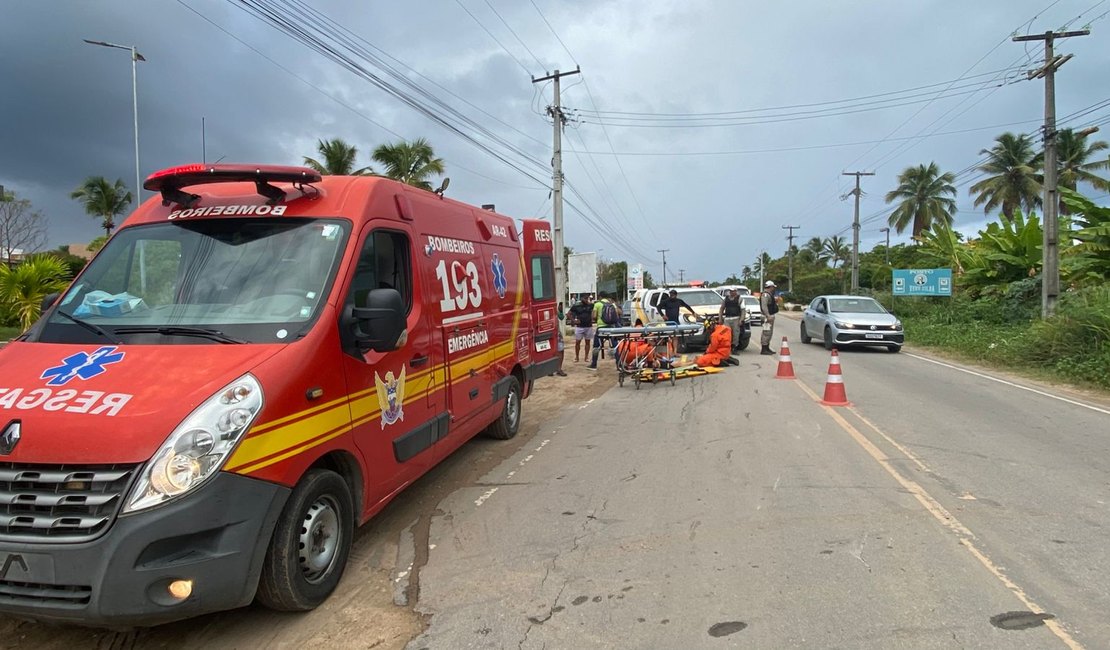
<point x="994" y="314"/>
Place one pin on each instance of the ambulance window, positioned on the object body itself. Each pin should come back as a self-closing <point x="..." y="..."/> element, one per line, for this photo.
<point x="383" y="264"/>
<point x="543" y="278"/>
<point x="149" y="270"/>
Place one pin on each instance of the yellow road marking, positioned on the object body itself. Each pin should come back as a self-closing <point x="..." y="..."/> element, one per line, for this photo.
<point x="940" y="514"/>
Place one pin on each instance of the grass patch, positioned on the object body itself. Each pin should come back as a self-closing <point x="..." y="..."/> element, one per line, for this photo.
<point x="1073" y="346"/>
<point x="9" y="333"/>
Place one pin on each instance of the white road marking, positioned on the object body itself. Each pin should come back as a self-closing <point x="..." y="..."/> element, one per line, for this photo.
<point x="776" y="487"/>
<point x="485" y="497"/>
<point x="586" y="404"/>
<point x="1012" y="384"/>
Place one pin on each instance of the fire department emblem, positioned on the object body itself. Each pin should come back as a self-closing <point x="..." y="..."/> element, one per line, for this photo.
<point x="391" y="396"/>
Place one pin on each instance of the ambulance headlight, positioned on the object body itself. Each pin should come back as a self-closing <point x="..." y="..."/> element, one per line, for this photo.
<point x="200" y="445"/>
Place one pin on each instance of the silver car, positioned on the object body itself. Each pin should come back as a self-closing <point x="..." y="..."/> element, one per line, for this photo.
<point x="841" y="321"/>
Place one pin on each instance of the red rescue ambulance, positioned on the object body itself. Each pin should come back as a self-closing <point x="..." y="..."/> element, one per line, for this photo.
<point x="255" y="363"/>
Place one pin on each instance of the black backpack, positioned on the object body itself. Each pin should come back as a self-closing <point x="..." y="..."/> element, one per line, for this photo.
<point x="610" y="315"/>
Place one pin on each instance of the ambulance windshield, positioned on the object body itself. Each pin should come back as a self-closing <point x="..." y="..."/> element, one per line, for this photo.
<point x="203" y="281"/>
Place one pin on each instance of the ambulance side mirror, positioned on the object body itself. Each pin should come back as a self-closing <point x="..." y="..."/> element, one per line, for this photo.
<point x="48" y="301"/>
<point x="380" y="324"/>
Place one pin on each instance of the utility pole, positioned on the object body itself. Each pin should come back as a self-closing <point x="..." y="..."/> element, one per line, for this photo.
<point x="681" y="276"/>
<point x="855" y="231"/>
<point x="762" y="254"/>
<point x="1050" y="271"/>
<point x="789" y="257"/>
<point x="558" y="120"/>
<point x="664" y="252"/>
<point x="887" y="231"/>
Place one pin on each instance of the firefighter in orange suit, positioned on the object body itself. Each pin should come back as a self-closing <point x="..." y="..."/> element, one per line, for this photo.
<point x="720" y="345"/>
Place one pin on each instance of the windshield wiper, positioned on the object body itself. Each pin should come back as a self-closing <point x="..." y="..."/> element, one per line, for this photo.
<point x="177" y="330"/>
<point x="89" y="326"/>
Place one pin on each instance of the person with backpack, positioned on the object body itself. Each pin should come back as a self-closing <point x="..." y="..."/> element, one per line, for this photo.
<point x="606" y="314"/>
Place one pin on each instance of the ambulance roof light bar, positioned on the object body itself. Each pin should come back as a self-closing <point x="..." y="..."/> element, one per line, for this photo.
<point x="170" y="181"/>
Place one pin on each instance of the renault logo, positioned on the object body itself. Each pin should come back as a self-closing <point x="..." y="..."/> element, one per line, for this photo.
<point x="9" y="438"/>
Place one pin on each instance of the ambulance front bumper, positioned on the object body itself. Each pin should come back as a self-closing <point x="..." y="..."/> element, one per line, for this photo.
<point x="215" y="538"/>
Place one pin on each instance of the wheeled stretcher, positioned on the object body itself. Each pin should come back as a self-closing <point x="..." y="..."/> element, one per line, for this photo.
<point x="647" y="354"/>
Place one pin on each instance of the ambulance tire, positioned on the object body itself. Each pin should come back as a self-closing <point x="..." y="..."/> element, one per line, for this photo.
<point x="320" y="506"/>
<point x="508" y="423"/>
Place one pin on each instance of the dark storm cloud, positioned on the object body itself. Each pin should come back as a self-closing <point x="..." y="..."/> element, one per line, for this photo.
<point x="66" y="108"/>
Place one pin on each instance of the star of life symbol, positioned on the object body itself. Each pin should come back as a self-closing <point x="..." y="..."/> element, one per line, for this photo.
<point x="499" y="281"/>
<point x="82" y="365"/>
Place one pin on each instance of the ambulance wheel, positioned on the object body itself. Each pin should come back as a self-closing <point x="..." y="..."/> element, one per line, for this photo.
<point x="506" y="426"/>
<point x="311" y="541"/>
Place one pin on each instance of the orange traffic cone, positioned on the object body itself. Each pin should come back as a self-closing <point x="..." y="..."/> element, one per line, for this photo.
<point x="786" y="366"/>
<point x="834" y="385"/>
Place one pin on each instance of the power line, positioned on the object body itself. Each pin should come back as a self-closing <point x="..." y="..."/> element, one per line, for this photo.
<point x="513" y="32"/>
<point x="797" y="116"/>
<point x="605" y="132"/>
<point x="802" y="147"/>
<point x="495" y="39"/>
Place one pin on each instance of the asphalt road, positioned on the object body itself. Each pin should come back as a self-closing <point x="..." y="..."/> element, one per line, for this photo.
<point x="734" y="510"/>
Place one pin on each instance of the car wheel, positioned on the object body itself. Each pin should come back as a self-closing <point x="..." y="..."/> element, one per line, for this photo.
<point x="506" y="426"/>
<point x="828" y="338"/>
<point x="894" y="348"/>
<point x="806" y="338"/>
<point x="309" y="548"/>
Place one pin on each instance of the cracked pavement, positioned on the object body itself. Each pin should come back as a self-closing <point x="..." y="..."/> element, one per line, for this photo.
<point x="726" y="511"/>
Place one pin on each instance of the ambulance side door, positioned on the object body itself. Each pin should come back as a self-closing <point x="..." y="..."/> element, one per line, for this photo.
<point x="454" y="269"/>
<point x="397" y="407"/>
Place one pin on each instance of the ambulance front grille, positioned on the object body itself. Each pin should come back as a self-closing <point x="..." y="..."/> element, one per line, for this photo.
<point x="66" y="503"/>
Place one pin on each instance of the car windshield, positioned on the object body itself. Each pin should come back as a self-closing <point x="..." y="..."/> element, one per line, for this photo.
<point x="251" y="280"/>
<point x="700" y="298"/>
<point x="855" y="306"/>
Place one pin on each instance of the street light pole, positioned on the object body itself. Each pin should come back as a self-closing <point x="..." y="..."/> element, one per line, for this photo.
<point x="887" y="231"/>
<point x="135" y="58"/>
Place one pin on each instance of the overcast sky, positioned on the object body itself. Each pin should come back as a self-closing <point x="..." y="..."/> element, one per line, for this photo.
<point x="66" y="107"/>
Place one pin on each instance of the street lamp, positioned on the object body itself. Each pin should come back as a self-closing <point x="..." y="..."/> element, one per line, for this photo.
<point x="887" y="231"/>
<point x="135" y="58"/>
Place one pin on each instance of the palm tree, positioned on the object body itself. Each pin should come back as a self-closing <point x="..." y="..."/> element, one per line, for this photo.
<point x="339" y="159"/>
<point x="103" y="200"/>
<point x="24" y="286"/>
<point x="926" y="197"/>
<point x="410" y="162"/>
<point x="836" y="249"/>
<point x="1014" y="181"/>
<point x="1072" y="154"/>
<point x="816" y="248"/>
